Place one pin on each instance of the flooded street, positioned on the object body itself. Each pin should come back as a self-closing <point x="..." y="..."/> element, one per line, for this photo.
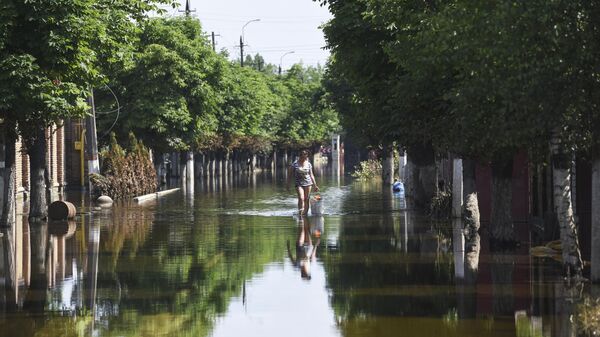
<point x="225" y="261"/>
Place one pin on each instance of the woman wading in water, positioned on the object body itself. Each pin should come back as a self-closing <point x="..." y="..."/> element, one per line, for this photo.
<point x="304" y="179"/>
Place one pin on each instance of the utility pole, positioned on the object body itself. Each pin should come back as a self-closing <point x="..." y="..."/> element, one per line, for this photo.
<point x="242" y="41"/>
<point x="241" y="51"/>
<point x="188" y="9"/>
<point x="92" y="142"/>
<point x="213" y="40"/>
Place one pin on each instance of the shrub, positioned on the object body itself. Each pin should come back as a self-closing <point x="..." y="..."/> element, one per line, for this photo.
<point x="588" y="316"/>
<point x="367" y="169"/>
<point x="125" y="173"/>
<point x="441" y="205"/>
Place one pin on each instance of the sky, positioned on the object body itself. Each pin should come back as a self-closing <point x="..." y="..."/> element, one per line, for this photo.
<point x="285" y="25"/>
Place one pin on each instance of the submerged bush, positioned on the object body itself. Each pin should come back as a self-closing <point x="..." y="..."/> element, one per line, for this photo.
<point x="125" y="173"/>
<point x="588" y="316"/>
<point x="367" y="169"/>
<point x="441" y="205"/>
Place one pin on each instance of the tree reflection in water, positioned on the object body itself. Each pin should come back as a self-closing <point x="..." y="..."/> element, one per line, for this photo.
<point x="387" y="266"/>
<point x="172" y="268"/>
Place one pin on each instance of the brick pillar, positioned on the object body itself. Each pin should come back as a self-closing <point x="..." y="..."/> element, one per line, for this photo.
<point x="18" y="167"/>
<point x="2" y="164"/>
<point x="25" y="160"/>
<point x="54" y="163"/>
<point x="49" y="146"/>
<point x="60" y="156"/>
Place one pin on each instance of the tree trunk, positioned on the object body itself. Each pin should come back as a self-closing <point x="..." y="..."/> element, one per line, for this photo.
<point x="189" y="167"/>
<point x="9" y="176"/>
<point x="37" y="158"/>
<point x="35" y="300"/>
<point x="11" y="282"/>
<point x="539" y="191"/>
<point x="238" y="163"/>
<point x="227" y="165"/>
<point x="218" y="163"/>
<point x="502" y="226"/>
<point x="409" y="178"/>
<point x="423" y="176"/>
<point x="561" y="163"/>
<point x="596" y="219"/>
<point x="205" y="165"/>
<point x="388" y="164"/>
<point x="252" y="163"/>
<point x="198" y="165"/>
<point x="159" y="166"/>
<point x="471" y="213"/>
<point x="211" y="164"/>
<point x="502" y="271"/>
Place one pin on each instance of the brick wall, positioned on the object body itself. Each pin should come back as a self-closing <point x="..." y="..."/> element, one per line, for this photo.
<point x="60" y="157"/>
<point x="19" y="167"/>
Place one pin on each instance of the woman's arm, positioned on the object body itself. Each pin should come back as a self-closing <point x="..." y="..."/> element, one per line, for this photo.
<point x="312" y="176"/>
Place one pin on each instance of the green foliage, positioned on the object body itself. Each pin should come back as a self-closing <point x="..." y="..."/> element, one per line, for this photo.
<point x="173" y="90"/>
<point x="475" y="78"/>
<point x="125" y="173"/>
<point x="45" y="61"/>
<point x="247" y="102"/>
<point x="51" y="52"/>
<point x="367" y="170"/>
<point x="178" y="94"/>
<point x="168" y="92"/>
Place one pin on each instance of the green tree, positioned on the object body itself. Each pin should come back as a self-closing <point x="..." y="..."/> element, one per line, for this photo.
<point x="168" y="94"/>
<point x="477" y="79"/>
<point x="51" y="54"/>
<point x="46" y="63"/>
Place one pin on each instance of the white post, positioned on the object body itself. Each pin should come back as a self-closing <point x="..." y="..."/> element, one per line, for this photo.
<point x="335" y="157"/>
<point x="189" y="170"/>
<point x="457" y="188"/>
<point x="458" y="248"/>
<point x="402" y="165"/>
<point x="335" y="148"/>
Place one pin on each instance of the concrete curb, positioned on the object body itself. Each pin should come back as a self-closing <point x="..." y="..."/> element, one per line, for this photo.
<point x="153" y="196"/>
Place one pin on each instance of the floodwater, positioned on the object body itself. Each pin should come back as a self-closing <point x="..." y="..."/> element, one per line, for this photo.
<point x="214" y="261"/>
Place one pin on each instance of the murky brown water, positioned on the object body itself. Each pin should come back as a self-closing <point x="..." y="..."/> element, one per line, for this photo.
<point x="216" y="263"/>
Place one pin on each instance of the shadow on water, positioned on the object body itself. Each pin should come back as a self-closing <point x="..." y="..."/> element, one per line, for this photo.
<point x="226" y="257"/>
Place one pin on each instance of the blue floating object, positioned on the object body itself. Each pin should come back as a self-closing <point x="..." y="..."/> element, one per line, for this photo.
<point x="398" y="187"/>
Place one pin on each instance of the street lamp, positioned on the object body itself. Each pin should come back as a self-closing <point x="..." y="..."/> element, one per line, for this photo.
<point x="242" y="41"/>
<point x="281" y="60"/>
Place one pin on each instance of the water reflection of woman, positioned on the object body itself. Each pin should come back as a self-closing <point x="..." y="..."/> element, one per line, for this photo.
<point x="306" y="252"/>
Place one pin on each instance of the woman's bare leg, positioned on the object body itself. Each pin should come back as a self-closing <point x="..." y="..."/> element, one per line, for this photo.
<point x="300" y="192"/>
<point x="301" y="235"/>
<point x="306" y="197"/>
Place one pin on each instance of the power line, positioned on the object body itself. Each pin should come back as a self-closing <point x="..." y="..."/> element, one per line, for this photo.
<point x="221" y="14"/>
